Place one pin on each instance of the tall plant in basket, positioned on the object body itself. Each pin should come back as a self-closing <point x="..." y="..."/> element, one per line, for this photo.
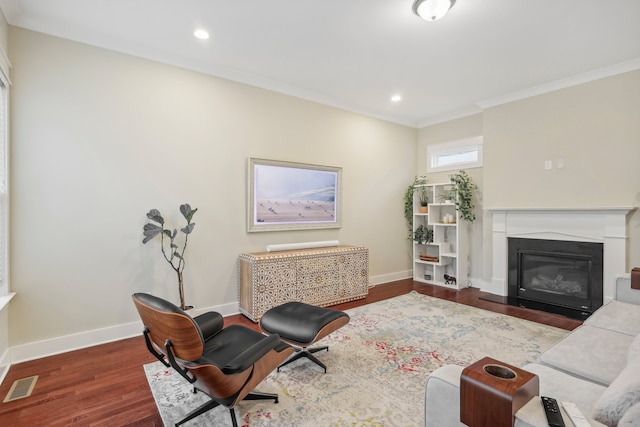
<point x="168" y="243"/>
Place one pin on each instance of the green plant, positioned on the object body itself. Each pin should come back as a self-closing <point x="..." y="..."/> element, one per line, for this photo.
<point x="408" y="200"/>
<point x="463" y="188"/>
<point x="422" y="191"/>
<point x="408" y="207"/>
<point x="447" y="195"/>
<point x="423" y="234"/>
<point x="175" y="258"/>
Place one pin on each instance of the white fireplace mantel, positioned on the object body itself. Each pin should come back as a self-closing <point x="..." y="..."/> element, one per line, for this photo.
<point x="607" y="225"/>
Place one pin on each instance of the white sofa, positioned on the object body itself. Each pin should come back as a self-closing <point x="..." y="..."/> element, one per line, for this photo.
<point x="596" y="366"/>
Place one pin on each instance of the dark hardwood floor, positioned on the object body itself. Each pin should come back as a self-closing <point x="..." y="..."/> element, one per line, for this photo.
<point x="105" y="385"/>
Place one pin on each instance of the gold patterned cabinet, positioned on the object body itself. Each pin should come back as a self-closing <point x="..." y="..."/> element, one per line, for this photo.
<point x="320" y="276"/>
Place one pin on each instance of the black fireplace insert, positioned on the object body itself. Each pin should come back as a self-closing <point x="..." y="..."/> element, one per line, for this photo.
<point x="557" y="276"/>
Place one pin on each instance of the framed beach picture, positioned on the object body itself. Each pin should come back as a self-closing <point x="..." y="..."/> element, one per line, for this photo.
<point x="292" y="196"/>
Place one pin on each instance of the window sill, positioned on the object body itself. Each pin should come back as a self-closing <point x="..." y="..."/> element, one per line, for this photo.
<point x="4" y="300"/>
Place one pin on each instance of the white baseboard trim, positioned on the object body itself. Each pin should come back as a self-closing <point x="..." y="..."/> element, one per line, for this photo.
<point x="391" y="277"/>
<point x="63" y="344"/>
<point x="482" y="285"/>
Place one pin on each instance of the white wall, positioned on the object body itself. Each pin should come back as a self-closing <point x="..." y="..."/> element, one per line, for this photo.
<point x="99" y="138"/>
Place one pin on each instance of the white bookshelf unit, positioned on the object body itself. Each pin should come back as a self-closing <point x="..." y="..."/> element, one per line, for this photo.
<point x="446" y="257"/>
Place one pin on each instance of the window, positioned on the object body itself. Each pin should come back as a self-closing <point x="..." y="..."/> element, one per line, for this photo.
<point x="448" y="156"/>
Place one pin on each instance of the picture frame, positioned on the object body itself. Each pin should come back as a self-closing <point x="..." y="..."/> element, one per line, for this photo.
<point x="292" y="196"/>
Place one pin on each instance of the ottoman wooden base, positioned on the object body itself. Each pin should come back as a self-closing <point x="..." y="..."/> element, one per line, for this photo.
<point x="491" y="392"/>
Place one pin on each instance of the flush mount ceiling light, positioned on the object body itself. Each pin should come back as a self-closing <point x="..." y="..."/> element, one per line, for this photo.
<point x="201" y="34"/>
<point x="432" y="10"/>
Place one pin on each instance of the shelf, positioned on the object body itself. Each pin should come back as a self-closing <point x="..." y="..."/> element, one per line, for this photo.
<point x="441" y="262"/>
<point x="450" y="243"/>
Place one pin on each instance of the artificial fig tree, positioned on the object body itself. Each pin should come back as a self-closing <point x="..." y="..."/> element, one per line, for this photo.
<point x="173" y="254"/>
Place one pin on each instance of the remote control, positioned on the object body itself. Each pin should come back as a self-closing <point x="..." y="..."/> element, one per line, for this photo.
<point x="552" y="410"/>
<point x="575" y="414"/>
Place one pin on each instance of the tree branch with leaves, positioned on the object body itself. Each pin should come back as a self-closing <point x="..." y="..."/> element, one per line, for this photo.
<point x="174" y="255"/>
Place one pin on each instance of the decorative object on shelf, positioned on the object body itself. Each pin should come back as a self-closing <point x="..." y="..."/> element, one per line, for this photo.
<point x="423" y="234"/>
<point x="429" y="258"/>
<point x="448" y="219"/>
<point x="447" y="197"/>
<point x="463" y="188"/>
<point x="176" y="257"/>
<point x="423" y="194"/>
<point x="449" y="280"/>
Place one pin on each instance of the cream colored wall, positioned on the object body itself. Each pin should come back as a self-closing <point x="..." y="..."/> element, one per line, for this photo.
<point x="593" y="128"/>
<point x="100" y="138"/>
<point x="453" y="130"/>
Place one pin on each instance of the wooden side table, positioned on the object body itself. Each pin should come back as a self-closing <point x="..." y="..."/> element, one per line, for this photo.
<point x="491" y="392"/>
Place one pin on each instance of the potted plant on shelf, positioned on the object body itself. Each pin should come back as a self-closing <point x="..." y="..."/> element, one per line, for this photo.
<point x="423" y="197"/>
<point x="423" y="235"/>
<point x="463" y="188"/>
<point x="175" y="258"/>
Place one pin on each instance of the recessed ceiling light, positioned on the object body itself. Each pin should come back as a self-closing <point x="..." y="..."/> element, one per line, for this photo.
<point x="396" y="98"/>
<point x="201" y="34"/>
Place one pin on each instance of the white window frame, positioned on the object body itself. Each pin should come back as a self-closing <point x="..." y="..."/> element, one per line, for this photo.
<point x="437" y="154"/>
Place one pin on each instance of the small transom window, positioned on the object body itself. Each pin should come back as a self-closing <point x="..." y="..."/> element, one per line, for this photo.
<point x="448" y="156"/>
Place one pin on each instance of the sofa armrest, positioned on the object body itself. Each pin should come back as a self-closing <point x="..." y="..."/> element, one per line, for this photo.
<point x="624" y="291"/>
<point x="442" y="397"/>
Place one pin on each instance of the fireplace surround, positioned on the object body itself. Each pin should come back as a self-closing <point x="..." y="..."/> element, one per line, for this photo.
<point x="558" y="276"/>
<point x="605" y="225"/>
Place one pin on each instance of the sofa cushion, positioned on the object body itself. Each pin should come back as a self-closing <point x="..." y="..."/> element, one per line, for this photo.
<point x="590" y="352"/>
<point x="617" y="316"/>
<point x="620" y="396"/>
<point x="562" y="387"/>
<point x="631" y="418"/>
<point x="634" y="349"/>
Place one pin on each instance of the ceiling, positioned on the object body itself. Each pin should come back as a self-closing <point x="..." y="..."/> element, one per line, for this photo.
<point x="356" y="54"/>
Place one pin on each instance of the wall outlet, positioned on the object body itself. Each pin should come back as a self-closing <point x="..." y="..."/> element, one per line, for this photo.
<point x="548" y="164"/>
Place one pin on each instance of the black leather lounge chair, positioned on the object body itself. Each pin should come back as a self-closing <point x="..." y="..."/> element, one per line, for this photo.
<point x="224" y="363"/>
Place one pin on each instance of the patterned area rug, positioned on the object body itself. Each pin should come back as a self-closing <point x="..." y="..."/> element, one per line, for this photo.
<point x="377" y="366"/>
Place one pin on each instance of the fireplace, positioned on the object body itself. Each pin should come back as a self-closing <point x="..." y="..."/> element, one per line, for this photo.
<point x="558" y="276"/>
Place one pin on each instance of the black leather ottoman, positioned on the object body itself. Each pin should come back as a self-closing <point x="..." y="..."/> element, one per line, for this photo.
<point x="302" y="325"/>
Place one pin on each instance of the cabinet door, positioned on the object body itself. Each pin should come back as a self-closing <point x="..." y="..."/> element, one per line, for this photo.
<point x="354" y="274"/>
<point x="273" y="284"/>
<point x="317" y="279"/>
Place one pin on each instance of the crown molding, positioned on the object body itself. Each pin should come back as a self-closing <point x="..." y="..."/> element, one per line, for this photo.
<point x="598" y="74"/>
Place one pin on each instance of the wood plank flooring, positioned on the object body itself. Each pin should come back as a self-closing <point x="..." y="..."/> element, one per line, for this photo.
<point x="105" y="385"/>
